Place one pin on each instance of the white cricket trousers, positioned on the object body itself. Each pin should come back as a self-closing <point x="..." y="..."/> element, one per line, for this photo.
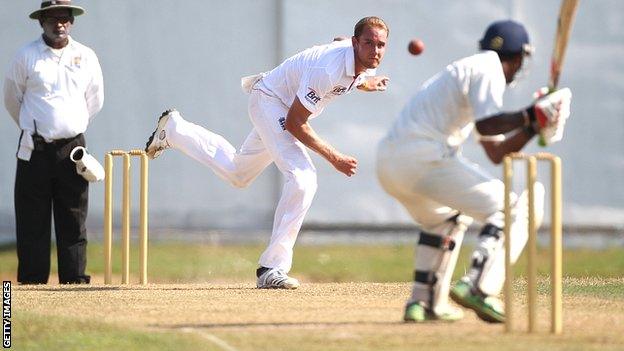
<point x="433" y="189"/>
<point x="267" y="142"/>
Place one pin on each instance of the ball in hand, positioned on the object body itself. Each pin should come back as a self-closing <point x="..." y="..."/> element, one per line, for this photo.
<point x="416" y="47"/>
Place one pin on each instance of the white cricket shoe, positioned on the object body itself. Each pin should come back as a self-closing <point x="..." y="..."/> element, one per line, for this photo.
<point x="157" y="142"/>
<point x="276" y="279"/>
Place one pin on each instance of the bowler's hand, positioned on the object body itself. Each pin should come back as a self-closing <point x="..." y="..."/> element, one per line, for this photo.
<point x="376" y="83"/>
<point x="345" y="164"/>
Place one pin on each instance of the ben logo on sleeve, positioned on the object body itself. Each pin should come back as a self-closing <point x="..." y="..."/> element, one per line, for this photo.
<point x="312" y="96"/>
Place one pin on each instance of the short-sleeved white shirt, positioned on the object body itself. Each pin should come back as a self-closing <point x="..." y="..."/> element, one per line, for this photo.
<point x="60" y="90"/>
<point x="316" y="76"/>
<point x="445" y="108"/>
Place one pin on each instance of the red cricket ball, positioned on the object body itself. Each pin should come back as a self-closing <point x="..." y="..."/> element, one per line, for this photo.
<point x="416" y="47"/>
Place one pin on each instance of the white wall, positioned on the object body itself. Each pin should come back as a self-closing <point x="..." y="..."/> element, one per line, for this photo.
<point x="191" y="55"/>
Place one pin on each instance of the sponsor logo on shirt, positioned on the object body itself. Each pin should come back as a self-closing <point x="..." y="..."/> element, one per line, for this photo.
<point x="339" y="90"/>
<point x="77" y="60"/>
<point x="312" y="97"/>
<point x="282" y="123"/>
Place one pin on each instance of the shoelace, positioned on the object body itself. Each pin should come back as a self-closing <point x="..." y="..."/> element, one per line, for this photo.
<point x="277" y="278"/>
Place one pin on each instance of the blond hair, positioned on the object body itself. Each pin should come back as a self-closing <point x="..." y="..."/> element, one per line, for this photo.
<point x="371" y="21"/>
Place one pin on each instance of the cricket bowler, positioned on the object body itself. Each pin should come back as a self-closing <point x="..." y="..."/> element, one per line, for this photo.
<point x="281" y="104"/>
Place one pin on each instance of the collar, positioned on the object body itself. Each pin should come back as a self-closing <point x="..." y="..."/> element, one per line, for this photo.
<point x="350" y="62"/>
<point x="500" y="64"/>
<point x="42" y="46"/>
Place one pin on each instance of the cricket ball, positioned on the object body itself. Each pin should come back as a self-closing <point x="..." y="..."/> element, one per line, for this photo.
<point x="416" y="47"/>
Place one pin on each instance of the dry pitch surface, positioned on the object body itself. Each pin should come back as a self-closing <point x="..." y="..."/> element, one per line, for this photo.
<point x="318" y="316"/>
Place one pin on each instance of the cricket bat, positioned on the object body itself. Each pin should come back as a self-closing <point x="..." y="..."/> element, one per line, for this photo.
<point x="562" y="36"/>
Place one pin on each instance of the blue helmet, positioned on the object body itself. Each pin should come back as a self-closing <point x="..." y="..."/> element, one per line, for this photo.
<point x="507" y="38"/>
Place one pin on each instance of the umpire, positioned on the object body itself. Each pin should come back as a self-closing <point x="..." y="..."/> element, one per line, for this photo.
<point x="52" y="89"/>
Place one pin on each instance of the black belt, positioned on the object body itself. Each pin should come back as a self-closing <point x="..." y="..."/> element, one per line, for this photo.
<point x="41" y="144"/>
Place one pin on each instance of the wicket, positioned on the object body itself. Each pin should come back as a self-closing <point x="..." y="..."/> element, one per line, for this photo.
<point x="555" y="240"/>
<point x="125" y="230"/>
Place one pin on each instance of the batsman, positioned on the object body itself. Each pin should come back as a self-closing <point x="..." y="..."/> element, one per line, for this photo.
<point x="419" y="163"/>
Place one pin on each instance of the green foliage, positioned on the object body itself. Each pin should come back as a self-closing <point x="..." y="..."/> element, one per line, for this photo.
<point x="192" y="262"/>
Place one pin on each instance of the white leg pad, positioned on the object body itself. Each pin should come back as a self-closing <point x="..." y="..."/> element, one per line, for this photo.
<point x="436" y="265"/>
<point x="492" y="277"/>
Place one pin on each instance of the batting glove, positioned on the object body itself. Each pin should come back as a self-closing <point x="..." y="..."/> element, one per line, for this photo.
<point x="551" y="113"/>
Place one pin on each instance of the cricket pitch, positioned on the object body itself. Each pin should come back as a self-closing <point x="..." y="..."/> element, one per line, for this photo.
<point x="318" y="316"/>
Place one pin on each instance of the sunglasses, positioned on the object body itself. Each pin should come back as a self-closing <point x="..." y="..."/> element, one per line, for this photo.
<point x="54" y="20"/>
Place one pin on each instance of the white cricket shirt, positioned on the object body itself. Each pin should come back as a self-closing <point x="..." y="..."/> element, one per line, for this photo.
<point x="59" y="89"/>
<point x="447" y="105"/>
<point x="316" y="76"/>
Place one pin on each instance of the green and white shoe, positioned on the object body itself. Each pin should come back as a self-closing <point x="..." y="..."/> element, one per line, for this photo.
<point x="415" y="312"/>
<point x="488" y="308"/>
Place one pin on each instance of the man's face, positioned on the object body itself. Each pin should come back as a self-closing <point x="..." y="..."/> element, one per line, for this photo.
<point x="515" y="67"/>
<point x="56" y="24"/>
<point x="370" y="46"/>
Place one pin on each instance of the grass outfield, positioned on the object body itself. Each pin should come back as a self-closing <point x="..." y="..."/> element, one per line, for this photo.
<point x="202" y="297"/>
<point x="196" y="263"/>
<point x="36" y="331"/>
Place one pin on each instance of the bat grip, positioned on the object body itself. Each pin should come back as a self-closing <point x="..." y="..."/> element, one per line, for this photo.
<point x="541" y="141"/>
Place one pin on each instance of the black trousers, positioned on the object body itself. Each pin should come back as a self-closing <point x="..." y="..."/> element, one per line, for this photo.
<point x="47" y="184"/>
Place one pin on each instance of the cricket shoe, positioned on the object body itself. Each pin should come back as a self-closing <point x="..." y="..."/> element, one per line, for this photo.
<point x="416" y="312"/>
<point x="157" y="142"/>
<point x="488" y="308"/>
<point x="273" y="278"/>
